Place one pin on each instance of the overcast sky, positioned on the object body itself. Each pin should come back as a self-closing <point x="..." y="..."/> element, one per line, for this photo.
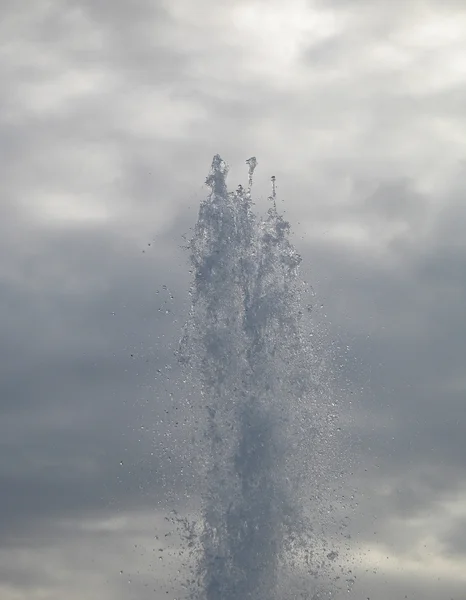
<point x="111" y="111"/>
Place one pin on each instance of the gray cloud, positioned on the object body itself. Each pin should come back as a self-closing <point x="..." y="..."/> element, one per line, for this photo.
<point x="110" y="113"/>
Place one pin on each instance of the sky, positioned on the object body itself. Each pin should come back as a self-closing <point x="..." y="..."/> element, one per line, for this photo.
<point x="110" y="114"/>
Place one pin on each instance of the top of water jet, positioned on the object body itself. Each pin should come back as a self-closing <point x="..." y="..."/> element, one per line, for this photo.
<point x="252" y="162"/>
<point x="216" y="179"/>
<point x="273" y="197"/>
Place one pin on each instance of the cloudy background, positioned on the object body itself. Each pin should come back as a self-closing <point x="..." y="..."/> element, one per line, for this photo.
<point x="110" y="113"/>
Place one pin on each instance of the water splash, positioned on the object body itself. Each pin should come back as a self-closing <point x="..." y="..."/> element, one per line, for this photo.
<point x="264" y="402"/>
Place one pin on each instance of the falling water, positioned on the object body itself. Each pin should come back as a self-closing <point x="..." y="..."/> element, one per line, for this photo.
<point x="264" y="403"/>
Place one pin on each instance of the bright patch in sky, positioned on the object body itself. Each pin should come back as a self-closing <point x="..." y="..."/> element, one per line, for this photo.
<point x="426" y="556"/>
<point x="438" y="30"/>
<point x="59" y="207"/>
<point x="276" y="33"/>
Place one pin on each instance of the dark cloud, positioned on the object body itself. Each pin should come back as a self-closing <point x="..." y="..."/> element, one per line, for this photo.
<point x="455" y="539"/>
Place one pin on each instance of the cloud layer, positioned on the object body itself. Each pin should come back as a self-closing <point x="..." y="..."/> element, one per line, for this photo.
<point x="110" y="114"/>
